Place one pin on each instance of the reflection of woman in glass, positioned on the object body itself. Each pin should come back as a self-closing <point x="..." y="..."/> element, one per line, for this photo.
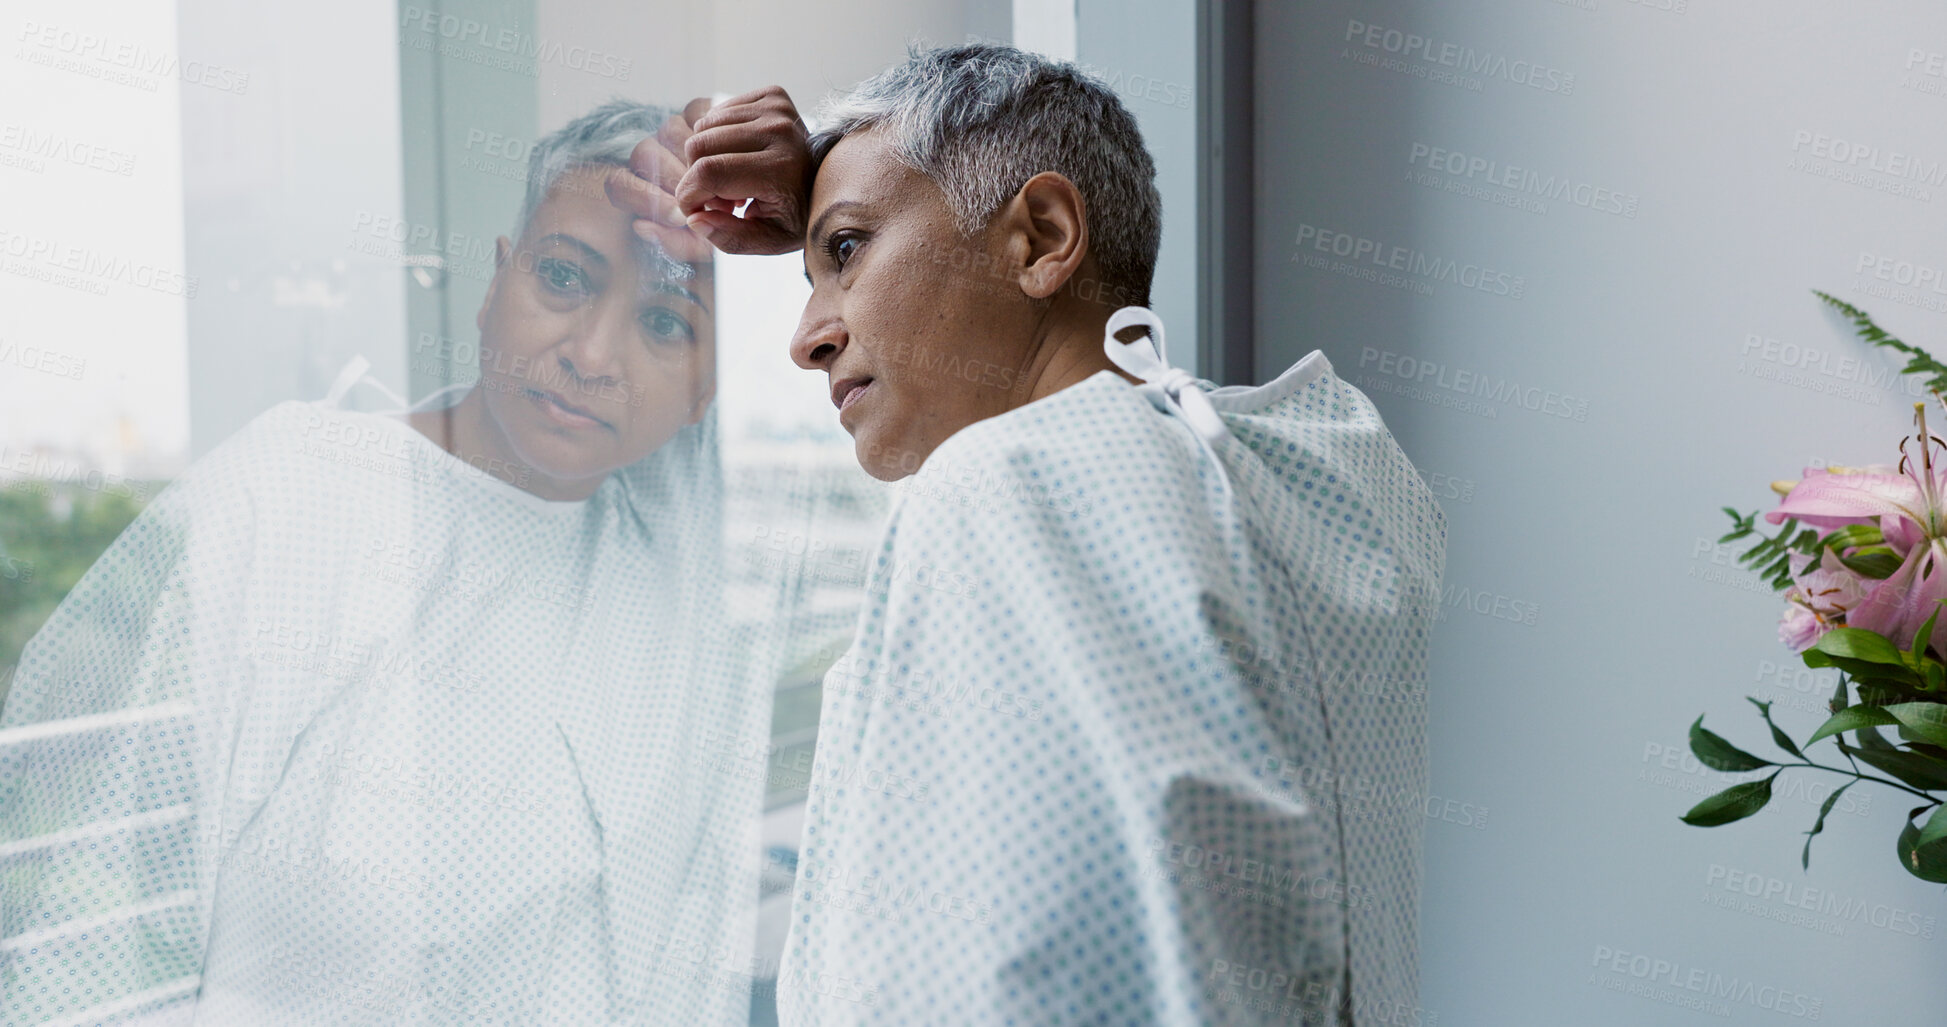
<point x="391" y="719"/>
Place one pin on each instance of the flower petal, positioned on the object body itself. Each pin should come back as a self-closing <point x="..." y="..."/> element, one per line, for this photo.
<point x="1799" y="628"/>
<point x="1897" y="606"/>
<point x="1829" y="501"/>
<point x="1901" y="532"/>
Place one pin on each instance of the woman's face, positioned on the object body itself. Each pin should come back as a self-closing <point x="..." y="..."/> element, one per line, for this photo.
<point x="920" y="331"/>
<point x="592" y="353"/>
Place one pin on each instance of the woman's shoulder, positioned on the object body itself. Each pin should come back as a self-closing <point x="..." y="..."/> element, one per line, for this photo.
<point x="1090" y="435"/>
<point x="299" y="455"/>
<point x="1055" y="464"/>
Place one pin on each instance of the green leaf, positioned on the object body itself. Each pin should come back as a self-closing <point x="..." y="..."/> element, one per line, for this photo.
<point x="1741" y="526"/>
<point x="1877" y="562"/>
<point x="1782" y="739"/>
<point x="1805" y="859"/>
<point x="1853" y="535"/>
<point x="1918" y="650"/>
<point x="1859" y="644"/>
<point x="1936" y="830"/>
<point x="1770" y="556"/>
<point x="1897" y="677"/>
<point x="1838" y="701"/>
<point x="1718" y="754"/>
<point x="1851" y="719"/>
<point x="1733" y="803"/>
<point x="1912" y="768"/>
<point x="1932" y="752"/>
<point x="1880" y="691"/>
<point x="1928" y="720"/>
<point x="1934" y="672"/>
<point x="1869" y="738"/>
<point x="1922" y="856"/>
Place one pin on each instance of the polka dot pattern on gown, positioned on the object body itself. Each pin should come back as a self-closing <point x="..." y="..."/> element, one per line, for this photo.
<point x="1133" y="727"/>
<point x="344" y="731"/>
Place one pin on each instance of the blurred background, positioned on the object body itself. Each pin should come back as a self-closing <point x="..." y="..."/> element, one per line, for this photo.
<point x="1565" y="245"/>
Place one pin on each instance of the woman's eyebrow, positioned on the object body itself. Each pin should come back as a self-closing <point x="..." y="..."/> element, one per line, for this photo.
<point x="818" y="226"/>
<point x="669" y="288"/>
<point x="593" y="255"/>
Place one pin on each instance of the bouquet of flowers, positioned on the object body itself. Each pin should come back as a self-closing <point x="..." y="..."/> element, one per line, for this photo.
<point x="1862" y="562"/>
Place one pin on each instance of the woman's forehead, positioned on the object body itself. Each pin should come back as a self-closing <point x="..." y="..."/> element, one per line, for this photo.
<point x="576" y="204"/>
<point x="577" y="209"/>
<point x="862" y="169"/>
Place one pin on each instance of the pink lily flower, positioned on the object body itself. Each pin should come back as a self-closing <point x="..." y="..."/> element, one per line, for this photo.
<point x="1819" y="599"/>
<point x="1910" y="507"/>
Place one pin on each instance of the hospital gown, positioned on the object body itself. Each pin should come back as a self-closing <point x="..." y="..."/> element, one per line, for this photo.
<point x="1132" y="727"/>
<point x="344" y="730"/>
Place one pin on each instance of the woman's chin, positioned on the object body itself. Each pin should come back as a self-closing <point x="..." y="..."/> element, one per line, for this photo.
<point x="556" y="460"/>
<point x="888" y="460"/>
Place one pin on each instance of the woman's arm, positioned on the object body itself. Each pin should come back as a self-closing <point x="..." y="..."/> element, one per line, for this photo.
<point x="113" y="759"/>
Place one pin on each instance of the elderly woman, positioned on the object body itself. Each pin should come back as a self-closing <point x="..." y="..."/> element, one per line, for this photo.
<point x="391" y="718"/>
<point x="1166" y="755"/>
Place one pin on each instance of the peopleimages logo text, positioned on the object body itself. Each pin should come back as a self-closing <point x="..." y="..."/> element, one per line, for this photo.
<point x="1461" y="58"/>
<point x="510" y="42"/>
<point x="1498" y="389"/>
<point x="1870" y="157"/>
<point x="1407" y="260"/>
<point x="1526" y="181"/>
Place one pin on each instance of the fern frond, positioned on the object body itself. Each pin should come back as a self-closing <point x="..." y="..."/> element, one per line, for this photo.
<point x="1919" y="361"/>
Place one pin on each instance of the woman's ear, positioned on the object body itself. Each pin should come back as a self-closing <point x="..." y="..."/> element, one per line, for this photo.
<point x="1048" y="215"/>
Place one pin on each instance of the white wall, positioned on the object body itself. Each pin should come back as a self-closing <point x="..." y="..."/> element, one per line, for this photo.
<point x="285" y="177"/>
<point x="1584" y="530"/>
<point x="92" y="282"/>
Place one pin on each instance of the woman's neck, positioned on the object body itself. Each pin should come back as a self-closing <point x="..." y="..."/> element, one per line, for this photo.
<point x="468" y="431"/>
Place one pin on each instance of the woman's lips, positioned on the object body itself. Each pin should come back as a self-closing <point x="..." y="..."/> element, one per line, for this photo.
<point x="846" y="391"/>
<point x="562" y="412"/>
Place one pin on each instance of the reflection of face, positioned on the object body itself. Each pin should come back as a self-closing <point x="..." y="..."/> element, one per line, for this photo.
<point x="590" y="356"/>
<point x="886" y="310"/>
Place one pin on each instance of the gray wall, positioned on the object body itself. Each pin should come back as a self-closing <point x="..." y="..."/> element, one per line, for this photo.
<point x="1679" y="364"/>
<point x="1146" y="51"/>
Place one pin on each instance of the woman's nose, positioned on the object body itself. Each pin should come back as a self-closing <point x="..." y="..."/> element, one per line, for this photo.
<point x="597" y="340"/>
<point x="818" y="341"/>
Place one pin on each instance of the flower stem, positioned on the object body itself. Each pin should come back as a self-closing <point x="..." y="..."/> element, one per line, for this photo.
<point x="1931" y="801"/>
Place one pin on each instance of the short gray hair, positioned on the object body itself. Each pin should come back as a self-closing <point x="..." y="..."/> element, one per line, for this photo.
<point x="605" y="135"/>
<point x="980" y="120"/>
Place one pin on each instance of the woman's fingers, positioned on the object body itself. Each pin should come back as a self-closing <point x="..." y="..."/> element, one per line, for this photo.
<point x="675" y="132"/>
<point x="763" y="175"/>
<point x="752" y="136"/>
<point x="753" y="96"/>
<point x="656" y="219"/>
<point x="640" y="197"/>
<point x="698" y="107"/>
<point x="679" y="243"/>
<point x="654" y="159"/>
<point x="750" y="147"/>
<point x="745" y="235"/>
